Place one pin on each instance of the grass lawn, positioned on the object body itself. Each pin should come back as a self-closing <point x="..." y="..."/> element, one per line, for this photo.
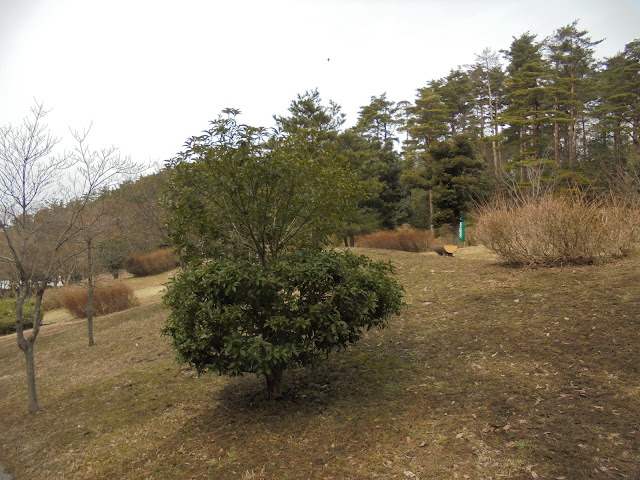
<point x="490" y="372"/>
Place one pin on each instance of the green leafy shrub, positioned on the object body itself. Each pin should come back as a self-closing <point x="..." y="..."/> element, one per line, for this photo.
<point x="404" y="239"/>
<point x="233" y="316"/>
<point x="8" y="315"/>
<point x="107" y="299"/>
<point x="552" y="231"/>
<point x="151" y="263"/>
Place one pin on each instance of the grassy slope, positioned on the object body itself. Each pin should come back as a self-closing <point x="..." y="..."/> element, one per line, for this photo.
<point x="489" y="373"/>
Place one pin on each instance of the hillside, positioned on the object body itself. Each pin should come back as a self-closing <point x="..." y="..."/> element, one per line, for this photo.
<point x="490" y="372"/>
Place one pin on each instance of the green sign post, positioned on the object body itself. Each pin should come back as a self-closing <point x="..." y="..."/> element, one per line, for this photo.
<point x="461" y="230"/>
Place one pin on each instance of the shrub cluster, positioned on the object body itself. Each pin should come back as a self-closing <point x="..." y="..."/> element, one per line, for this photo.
<point x="108" y="299"/>
<point x="553" y="231"/>
<point x="232" y="316"/>
<point x="404" y="239"/>
<point x="52" y="298"/>
<point x="8" y="315"/>
<point x="151" y="263"/>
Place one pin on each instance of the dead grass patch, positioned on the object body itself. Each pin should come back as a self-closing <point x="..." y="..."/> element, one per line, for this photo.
<point x="402" y="239"/>
<point x="151" y="263"/>
<point x="490" y="372"/>
<point x="111" y="298"/>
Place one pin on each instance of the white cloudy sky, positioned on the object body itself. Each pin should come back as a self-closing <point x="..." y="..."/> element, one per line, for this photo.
<point x="150" y="73"/>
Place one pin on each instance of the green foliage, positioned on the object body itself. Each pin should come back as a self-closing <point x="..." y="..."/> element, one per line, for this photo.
<point x="253" y="192"/>
<point x="528" y="109"/>
<point x="619" y="88"/>
<point x="379" y="120"/>
<point x="378" y="169"/>
<point x="427" y="121"/>
<point x="308" y="114"/>
<point x="232" y="316"/>
<point x="379" y="161"/>
<point x="455" y="175"/>
<point x="8" y="315"/>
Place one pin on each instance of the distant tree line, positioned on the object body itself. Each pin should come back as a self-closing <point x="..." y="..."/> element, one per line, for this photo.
<point x="539" y="115"/>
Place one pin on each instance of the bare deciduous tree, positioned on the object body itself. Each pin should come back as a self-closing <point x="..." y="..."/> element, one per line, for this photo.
<point x="42" y="199"/>
<point x="98" y="171"/>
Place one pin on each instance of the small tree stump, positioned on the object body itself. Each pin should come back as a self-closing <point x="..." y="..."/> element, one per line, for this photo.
<point x="450" y="249"/>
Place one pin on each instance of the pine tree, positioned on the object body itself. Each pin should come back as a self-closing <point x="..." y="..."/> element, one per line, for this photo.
<point x="379" y="120"/>
<point x="427" y="121"/>
<point x="571" y="56"/>
<point x="426" y="125"/>
<point x="455" y="175"/>
<point x="488" y="79"/>
<point x="369" y="146"/>
<point x="456" y="93"/>
<point x="308" y="113"/>
<point x="527" y="112"/>
<point x="619" y="86"/>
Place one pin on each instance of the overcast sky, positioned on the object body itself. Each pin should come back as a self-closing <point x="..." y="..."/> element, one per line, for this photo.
<point x="150" y="73"/>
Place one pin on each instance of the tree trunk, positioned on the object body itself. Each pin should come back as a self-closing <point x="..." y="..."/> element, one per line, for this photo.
<point x="584" y="138"/>
<point x="556" y="134"/>
<point x="274" y="383"/>
<point x="431" y="211"/>
<point x="27" y="344"/>
<point x="90" y="292"/>
<point x="346" y="241"/>
<point x="352" y="241"/>
<point x="31" y="378"/>
<point x="572" y="130"/>
<point x="493" y="128"/>
<point x="634" y="123"/>
<point x="556" y="143"/>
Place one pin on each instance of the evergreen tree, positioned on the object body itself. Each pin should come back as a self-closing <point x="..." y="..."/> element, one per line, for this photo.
<point x="488" y="79"/>
<point x="455" y="176"/>
<point x="456" y="93"/>
<point x="571" y="55"/>
<point x="379" y="120"/>
<point x="309" y="114"/>
<point x="527" y="112"/>
<point x="369" y="147"/>
<point x="427" y="122"/>
<point x="619" y="87"/>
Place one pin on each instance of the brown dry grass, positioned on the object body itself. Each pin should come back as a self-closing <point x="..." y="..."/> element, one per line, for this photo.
<point x="490" y="372"/>
<point x="114" y="297"/>
<point x="559" y="230"/>
<point x="151" y="263"/>
<point x="52" y="298"/>
<point x="403" y="239"/>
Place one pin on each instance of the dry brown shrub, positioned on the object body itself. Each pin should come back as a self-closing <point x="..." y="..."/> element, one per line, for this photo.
<point x="151" y="263"/>
<point x="471" y="237"/>
<point x="404" y="239"/>
<point x="52" y="298"/>
<point x="553" y="231"/>
<point x="106" y="299"/>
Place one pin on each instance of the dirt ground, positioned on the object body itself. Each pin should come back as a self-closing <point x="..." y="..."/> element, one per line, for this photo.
<point x="490" y="372"/>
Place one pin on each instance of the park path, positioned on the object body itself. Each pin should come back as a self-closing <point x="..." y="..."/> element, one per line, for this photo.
<point x="4" y="476"/>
